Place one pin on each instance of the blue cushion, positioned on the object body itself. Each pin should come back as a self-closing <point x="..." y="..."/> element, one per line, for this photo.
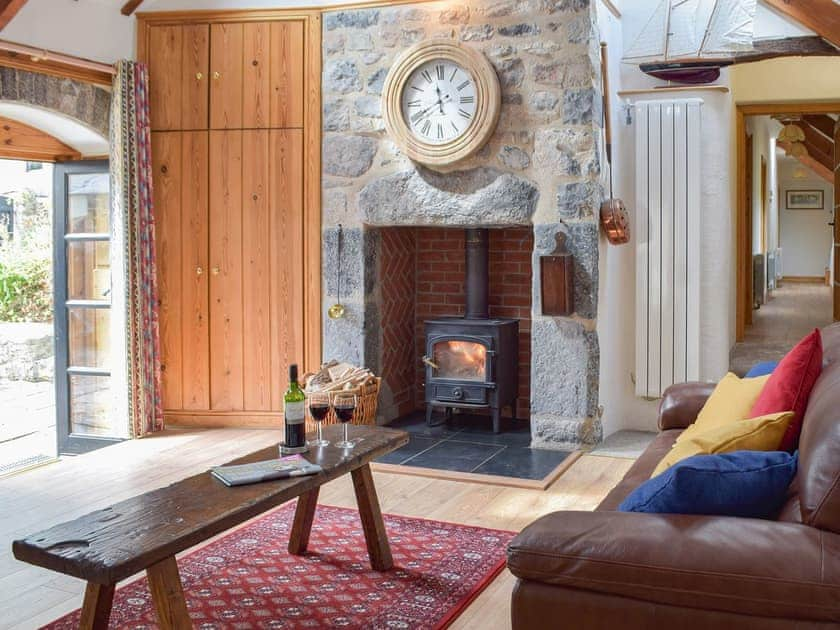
<point x="742" y="483"/>
<point x="762" y="369"/>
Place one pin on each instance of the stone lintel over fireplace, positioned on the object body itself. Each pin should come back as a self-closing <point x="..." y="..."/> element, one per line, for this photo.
<point x="538" y="175"/>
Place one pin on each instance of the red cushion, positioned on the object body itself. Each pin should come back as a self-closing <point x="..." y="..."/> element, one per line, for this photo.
<point x="790" y="385"/>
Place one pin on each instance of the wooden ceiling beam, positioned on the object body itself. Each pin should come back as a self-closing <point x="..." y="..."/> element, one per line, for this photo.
<point x="821" y="16"/>
<point x="823" y="158"/>
<point x="22" y="142"/>
<point x="816" y="139"/>
<point x="130" y="7"/>
<point x="8" y="10"/>
<point x="817" y="167"/>
<point x="822" y="123"/>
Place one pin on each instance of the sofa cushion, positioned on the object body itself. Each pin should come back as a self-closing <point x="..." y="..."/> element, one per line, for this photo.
<point x="730" y="402"/>
<point x="819" y="443"/>
<point x="761" y="369"/>
<point x="752" y="484"/>
<point x="755" y="434"/>
<point x="743" y="565"/>
<point x="790" y="385"/>
<point x="641" y="469"/>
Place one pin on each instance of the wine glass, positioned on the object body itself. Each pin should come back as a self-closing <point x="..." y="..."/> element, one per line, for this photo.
<point x="319" y="407"/>
<point x="345" y="406"/>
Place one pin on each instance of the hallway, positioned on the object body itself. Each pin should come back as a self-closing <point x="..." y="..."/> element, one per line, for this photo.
<point x="794" y="310"/>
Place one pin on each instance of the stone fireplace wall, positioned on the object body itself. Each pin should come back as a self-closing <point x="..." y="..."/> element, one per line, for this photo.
<point x="540" y="168"/>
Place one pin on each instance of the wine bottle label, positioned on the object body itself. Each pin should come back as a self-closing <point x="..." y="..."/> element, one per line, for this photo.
<point x="294" y="412"/>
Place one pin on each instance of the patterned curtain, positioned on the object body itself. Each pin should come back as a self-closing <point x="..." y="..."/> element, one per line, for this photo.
<point x="134" y="231"/>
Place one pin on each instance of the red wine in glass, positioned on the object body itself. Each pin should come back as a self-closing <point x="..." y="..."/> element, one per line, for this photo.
<point x="345" y="407"/>
<point x="319" y="407"/>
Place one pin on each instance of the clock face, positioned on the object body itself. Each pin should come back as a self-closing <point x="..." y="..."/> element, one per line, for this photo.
<point x="438" y="101"/>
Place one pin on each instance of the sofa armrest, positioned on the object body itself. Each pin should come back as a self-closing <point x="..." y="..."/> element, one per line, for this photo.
<point x="740" y="565"/>
<point x="681" y="403"/>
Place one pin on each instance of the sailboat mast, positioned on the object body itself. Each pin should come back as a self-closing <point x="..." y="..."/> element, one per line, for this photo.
<point x="708" y="28"/>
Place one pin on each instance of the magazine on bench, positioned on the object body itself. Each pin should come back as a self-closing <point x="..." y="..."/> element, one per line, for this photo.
<point x="256" y="472"/>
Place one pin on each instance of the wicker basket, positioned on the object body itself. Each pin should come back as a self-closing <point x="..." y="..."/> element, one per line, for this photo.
<point x="368" y="400"/>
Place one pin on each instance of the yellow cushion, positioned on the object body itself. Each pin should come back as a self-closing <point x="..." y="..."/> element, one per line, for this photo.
<point x="756" y="434"/>
<point x="731" y="401"/>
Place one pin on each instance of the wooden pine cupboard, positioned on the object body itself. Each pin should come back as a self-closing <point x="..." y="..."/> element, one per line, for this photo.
<point x="235" y="113"/>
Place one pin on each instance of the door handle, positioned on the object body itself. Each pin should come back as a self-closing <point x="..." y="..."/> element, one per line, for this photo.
<point x="215" y="271"/>
<point x="199" y="271"/>
<point x="199" y="76"/>
<point x="217" y="75"/>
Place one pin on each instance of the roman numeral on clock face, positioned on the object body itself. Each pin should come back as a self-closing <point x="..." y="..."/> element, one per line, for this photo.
<point x="415" y="103"/>
<point x="439" y="71"/>
<point x="463" y="85"/>
<point x="465" y="114"/>
<point x="426" y="126"/>
<point x="467" y="99"/>
<point x="427" y="76"/>
<point x="440" y="131"/>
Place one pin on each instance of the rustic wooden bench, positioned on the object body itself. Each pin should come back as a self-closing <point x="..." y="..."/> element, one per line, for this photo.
<point x="144" y="533"/>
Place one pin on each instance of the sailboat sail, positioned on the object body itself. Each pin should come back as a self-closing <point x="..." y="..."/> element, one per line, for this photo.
<point x="694" y="29"/>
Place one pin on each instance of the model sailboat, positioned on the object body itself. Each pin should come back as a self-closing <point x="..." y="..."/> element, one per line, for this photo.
<point x="688" y="41"/>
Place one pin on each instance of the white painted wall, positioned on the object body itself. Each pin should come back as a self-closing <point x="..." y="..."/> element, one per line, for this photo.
<point x="806" y="237"/>
<point x="616" y="298"/>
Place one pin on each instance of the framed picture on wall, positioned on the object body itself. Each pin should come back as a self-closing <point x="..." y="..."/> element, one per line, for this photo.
<point x="805" y="199"/>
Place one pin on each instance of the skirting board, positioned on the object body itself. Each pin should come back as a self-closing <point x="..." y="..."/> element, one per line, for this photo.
<point x="804" y="279"/>
<point x="490" y="480"/>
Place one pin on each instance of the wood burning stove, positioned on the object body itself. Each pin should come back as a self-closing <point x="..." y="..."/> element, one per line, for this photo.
<point x="472" y="361"/>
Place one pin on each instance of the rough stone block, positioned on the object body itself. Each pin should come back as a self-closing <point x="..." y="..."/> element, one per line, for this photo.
<point x="481" y="196"/>
<point x="348" y="156"/>
<point x="341" y="75"/>
<point x="578" y="200"/>
<point x="514" y="157"/>
<point x="351" y="262"/>
<point x="362" y="18"/>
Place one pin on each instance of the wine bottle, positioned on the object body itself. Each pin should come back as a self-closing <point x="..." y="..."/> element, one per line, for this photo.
<point x="293" y="411"/>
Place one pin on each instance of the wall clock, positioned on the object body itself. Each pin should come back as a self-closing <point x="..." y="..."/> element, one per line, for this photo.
<point x="441" y="102"/>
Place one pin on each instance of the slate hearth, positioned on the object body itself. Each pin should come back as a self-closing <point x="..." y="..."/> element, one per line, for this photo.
<point x="466" y="443"/>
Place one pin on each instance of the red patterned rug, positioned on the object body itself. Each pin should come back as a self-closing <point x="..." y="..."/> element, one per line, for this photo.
<point x="247" y="579"/>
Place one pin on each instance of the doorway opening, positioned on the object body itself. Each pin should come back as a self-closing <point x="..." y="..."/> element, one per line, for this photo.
<point x="787" y="193"/>
<point x="55" y="272"/>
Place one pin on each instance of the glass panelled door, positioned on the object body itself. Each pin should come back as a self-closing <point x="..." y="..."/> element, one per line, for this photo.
<point x="83" y="308"/>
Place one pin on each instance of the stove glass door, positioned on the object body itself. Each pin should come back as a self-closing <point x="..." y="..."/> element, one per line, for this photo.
<point x="461" y="360"/>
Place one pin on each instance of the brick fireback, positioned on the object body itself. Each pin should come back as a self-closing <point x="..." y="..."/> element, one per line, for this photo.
<point x="421" y="275"/>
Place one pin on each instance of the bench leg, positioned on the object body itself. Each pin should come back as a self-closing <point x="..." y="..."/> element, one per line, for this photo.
<point x="302" y="525"/>
<point x="168" y="595"/>
<point x="97" y="607"/>
<point x="375" y="536"/>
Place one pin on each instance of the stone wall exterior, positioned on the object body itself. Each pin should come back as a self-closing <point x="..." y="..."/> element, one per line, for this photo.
<point x="541" y="168"/>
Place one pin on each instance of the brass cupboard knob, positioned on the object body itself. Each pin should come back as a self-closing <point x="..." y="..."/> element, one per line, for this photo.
<point x="199" y="271"/>
<point x="199" y="76"/>
<point x="215" y="271"/>
<point x="217" y="75"/>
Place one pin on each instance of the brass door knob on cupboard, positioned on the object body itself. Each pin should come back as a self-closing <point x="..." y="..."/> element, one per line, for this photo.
<point x="217" y="75"/>
<point x="215" y="271"/>
<point x="199" y="271"/>
<point x="199" y="76"/>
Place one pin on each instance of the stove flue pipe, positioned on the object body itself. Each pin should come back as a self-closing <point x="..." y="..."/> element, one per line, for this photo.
<point x="477" y="281"/>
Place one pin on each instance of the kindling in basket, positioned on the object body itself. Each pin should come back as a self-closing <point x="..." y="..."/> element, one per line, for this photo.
<point x="342" y="378"/>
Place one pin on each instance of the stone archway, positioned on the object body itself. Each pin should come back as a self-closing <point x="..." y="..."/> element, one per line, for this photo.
<point x="85" y="103"/>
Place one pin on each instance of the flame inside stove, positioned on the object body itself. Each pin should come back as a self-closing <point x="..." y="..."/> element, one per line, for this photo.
<point x="461" y="360"/>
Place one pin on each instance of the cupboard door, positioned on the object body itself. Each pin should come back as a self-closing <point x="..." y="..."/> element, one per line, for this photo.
<point x="285" y="255"/>
<point x="287" y="83"/>
<point x="255" y="76"/>
<point x="226" y="89"/>
<point x="256" y="276"/>
<point x="195" y="64"/>
<point x="226" y="325"/>
<point x="195" y="331"/>
<point x="165" y="76"/>
<point x="166" y="166"/>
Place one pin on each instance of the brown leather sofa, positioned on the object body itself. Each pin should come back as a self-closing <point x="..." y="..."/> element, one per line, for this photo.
<point x="608" y="569"/>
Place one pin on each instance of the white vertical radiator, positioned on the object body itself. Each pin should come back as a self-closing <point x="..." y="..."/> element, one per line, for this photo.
<point x="668" y="171"/>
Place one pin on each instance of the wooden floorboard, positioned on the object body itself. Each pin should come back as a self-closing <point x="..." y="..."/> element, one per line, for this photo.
<point x="39" y="498"/>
